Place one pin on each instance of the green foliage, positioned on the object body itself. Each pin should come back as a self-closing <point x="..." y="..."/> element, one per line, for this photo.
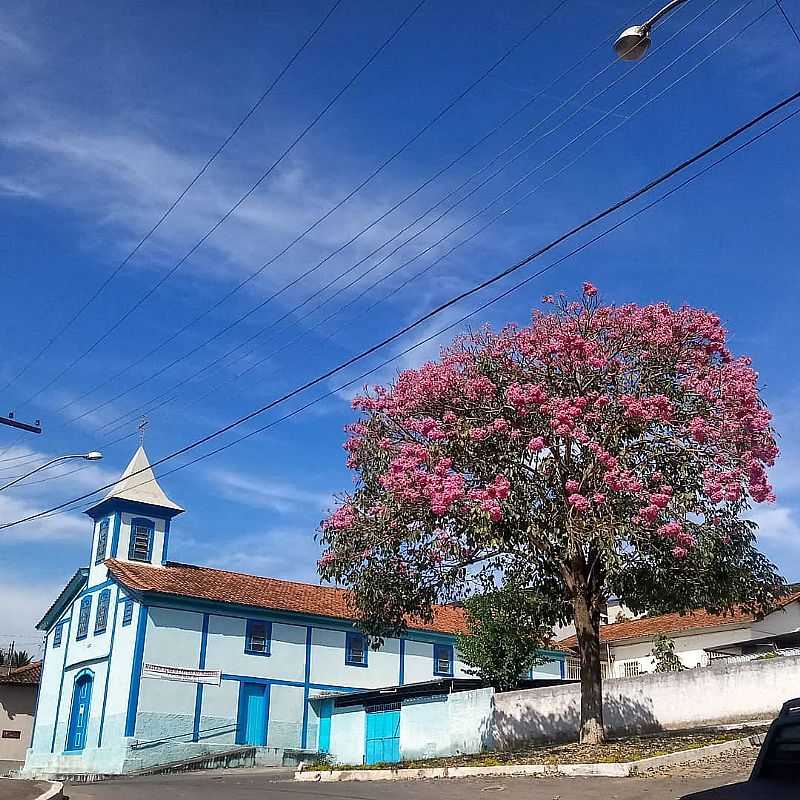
<point x="506" y="628"/>
<point x="664" y="655"/>
<point x="15" y="658"/>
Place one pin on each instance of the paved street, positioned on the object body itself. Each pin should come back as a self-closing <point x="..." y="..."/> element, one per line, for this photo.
<point x="277" y="785"/>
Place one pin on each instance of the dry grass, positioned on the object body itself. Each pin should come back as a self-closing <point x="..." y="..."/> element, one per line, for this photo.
<point x="614" y="751"/>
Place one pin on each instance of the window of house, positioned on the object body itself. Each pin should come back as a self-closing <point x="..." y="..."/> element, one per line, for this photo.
<point x="83" y="617"/>
<point x="257" y="637"/>
<point x="101" y="619"/>
<point x="630" y="668"/>
<point x="355" y="650"/>
<point x="127" y="612"/>
<point x="141" y="544"/>
<point x="57" y="634"/>
<point x="102" y="542"/>
<point x="443" y="659"/>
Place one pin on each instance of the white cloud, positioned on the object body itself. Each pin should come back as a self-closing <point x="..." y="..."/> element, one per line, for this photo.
<point x="260" y="492"/>
<point x="43" y="490"/>
<point x="286" y="553"/>
<point x="777" y="523"/>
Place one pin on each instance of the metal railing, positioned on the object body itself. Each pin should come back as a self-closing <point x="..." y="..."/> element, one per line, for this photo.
<point x="572" y="669"/>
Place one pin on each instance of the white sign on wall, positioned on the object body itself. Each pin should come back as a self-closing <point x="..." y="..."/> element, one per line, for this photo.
<point x="167" y="673"/>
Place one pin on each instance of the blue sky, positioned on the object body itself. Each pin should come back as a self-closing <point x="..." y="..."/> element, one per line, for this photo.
<point x="107" y="111"/>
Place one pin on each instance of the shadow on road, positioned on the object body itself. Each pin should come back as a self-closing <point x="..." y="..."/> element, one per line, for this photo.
<point x="748" y="790"/>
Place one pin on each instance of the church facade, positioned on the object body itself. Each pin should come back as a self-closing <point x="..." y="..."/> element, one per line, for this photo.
<point x="149" y="661"/>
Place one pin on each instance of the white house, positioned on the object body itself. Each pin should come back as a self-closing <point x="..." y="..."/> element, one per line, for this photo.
<point x="699" y="637"/>
<point x="149" y="661"/>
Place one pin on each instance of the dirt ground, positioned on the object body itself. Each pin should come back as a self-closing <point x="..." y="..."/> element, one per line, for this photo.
<point x="615" y="751"/>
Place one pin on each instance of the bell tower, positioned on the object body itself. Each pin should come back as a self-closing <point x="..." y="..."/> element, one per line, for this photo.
<point x="131" y="523"/>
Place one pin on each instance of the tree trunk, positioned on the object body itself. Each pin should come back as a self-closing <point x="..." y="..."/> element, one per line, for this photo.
<point x="587" y="630"/>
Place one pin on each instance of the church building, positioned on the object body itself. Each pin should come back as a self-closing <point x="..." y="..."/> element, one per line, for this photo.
<point x="149" y="661"/>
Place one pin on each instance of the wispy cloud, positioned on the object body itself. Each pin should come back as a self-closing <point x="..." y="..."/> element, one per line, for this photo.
<point x="283" y="552"/>
<point x="778" y="524"/>
<point x="263" y="492"/>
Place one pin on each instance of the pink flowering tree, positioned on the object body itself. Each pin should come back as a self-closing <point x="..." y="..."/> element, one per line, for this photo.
<point x="601" y="450"/>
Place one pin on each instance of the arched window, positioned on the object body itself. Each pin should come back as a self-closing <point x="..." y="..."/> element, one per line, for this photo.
<point x="101" y="620"/>
<point x="102" y="542"/>
<point x="140" y="547"/>
<point x="83" y="617"/>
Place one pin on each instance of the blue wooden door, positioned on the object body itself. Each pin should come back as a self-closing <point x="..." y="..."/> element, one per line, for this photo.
<point x="79" y="714"/>
<point x="383" y="736"/>
<point x="253" y="714"/>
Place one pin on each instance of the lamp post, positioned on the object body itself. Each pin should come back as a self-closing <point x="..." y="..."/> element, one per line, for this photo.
<point x="633" y="42"/>
<point x="92" y="456"/>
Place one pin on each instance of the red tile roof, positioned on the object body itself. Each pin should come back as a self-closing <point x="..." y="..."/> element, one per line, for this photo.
<point x="29" y="675"/>
<point x="204" y="583"/>
<point x="649" y="627"/>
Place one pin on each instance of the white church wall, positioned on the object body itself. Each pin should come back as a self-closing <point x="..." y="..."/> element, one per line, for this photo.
<point x="166" y="708"/>
<point x="285" y="716"/>
<point x="218" y="714"/>
<point x="328" y="665"/>
<point x="419" y="662"/>
<point x="225" y="650"/>
<point x="49" y="685"/>
<point x="119" y="680"/>
<point x="98" y="573"/>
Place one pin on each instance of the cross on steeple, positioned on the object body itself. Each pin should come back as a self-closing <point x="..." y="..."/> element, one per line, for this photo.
<point x="143" y="423"/>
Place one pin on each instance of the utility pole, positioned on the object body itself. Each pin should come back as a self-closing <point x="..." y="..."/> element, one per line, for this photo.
<point x="25" y="426"/>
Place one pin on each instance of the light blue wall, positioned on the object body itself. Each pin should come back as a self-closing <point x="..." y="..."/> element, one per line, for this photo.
<point x="441" y="725"/>
<point x="347" y="735"/>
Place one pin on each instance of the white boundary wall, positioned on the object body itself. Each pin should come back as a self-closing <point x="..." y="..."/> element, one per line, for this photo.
<point x="672" y="700"/>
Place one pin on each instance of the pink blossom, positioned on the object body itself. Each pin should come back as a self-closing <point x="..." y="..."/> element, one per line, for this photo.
<point x="598" y="498"/>
<point x="589" y="289"/>
<point x="680" y="552"/>
<point x="572" y="486"/>
<point x="536" y="444"/>
<point x="578" y="502"/>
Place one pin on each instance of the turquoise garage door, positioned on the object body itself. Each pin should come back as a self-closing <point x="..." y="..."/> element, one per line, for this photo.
<point x="383" y="734"/>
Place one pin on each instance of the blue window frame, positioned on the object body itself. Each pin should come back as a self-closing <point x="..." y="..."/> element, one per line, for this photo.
<point x="83" y="617"/>
<point x="258" y="637"/>
<point x="101" y="618"/>
<point x="127" y="612"/>
<point x="102" y="543"/>
<point x="443" y="660"/>
<point x="58" y="633"/>
<point x="140" y="547"/>
<point x="355" y="649"/>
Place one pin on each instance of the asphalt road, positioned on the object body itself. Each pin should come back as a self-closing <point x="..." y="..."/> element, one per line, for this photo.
<point x="277" y="785"/>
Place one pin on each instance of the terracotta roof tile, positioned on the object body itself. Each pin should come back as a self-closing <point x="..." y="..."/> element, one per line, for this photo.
<point x="29" y="675"/>
<point x="647" y="627"/>
<point x="204" y="583"/>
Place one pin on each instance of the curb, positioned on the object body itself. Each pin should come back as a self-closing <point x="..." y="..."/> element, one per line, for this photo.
<point x="612" y="770"/>
<point x="55" y="792"/>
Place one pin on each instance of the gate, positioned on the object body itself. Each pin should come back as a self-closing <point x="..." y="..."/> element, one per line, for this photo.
<point x="383" y="734"/>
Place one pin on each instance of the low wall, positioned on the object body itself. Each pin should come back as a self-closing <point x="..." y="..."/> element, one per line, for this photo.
<point x="662" y="701"/>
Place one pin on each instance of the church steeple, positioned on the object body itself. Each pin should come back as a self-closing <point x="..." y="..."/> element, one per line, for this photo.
<point x="138" y="485"/>
<point x="131" y="523"/>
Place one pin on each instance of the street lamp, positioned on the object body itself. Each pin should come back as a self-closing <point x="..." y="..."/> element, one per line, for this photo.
<point x="633" y="42"/>
<point x="92" y="456"/>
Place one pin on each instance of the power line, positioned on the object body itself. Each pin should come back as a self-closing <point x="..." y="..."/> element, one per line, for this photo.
<point x="154" y="288"/>
<point x="600" y="215"/>
<point x="239" y="125"/>
<point x="405" y="228"/>
<point x="453" y="230"/>
<point x="788" y="21"/>
<point x="382" y="166"/>
<point x="475" y="311"/>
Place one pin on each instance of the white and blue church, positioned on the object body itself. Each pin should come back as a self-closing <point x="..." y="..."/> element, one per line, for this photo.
<point x="149" y="661"/>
